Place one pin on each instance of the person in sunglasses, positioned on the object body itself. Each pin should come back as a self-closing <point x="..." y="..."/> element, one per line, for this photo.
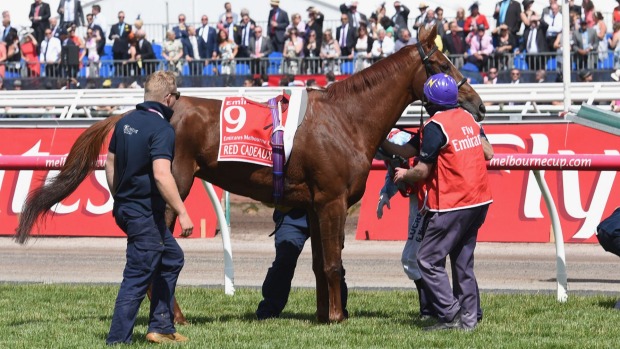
<point x="139" y="177"/>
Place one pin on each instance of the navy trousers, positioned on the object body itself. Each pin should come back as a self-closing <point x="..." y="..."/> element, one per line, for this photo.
<point x="608" y="233"/>
<point x="452" y="233"/>
<point x="153" y="256"/>
<point x="610" y="243"/>
<point x="290" y="236"/>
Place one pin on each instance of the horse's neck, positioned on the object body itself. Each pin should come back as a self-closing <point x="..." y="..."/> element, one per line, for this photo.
<point x="390" y="98"/>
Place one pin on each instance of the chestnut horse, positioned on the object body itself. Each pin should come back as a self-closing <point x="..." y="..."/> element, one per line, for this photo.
<point x="327" y="169"/>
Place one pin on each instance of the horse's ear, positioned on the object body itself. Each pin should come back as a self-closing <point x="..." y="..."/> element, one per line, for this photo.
<point x="428" y="35"/>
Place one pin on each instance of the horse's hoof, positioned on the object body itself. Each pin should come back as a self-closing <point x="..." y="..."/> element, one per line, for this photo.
<point x="337" y="320"/>
<point x="331" y="320"/>
<point x="181" y="320"/>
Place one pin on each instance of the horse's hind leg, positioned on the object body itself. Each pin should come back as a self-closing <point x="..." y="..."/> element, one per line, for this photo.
<point x="331" y="222"/>
<point x="322" y="293"/>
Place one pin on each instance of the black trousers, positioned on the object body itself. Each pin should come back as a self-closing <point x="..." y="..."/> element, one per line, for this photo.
<point x="71" y="70"/>
<point x="258" y="66"/>
<point x="52" y="70"/>
<point x="244" y="52"/>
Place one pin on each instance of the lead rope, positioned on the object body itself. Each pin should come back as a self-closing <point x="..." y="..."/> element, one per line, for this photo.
<point x="421" y="119"/>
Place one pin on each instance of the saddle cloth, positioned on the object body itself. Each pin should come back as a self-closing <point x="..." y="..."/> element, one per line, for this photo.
<point x="246" y="126"/>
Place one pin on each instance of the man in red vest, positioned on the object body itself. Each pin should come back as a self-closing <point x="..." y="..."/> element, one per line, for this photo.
<point x="452" y="170"/>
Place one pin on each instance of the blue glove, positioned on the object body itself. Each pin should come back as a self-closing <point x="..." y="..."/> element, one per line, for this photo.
<point x="384" y="200"/>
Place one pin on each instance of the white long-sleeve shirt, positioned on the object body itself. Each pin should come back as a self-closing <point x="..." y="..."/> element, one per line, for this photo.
<point x="554" y="22"/>
<point x="386" y="46"/>
<point x="50" y="51"/>
<point x="100" y="21"/>
<point x="69" y="11"/>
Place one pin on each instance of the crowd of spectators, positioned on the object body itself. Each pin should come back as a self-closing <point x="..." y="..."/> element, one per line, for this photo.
<point x="304" y="45"/>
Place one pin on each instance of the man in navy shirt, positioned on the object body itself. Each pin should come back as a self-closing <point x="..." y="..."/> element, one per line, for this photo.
<point x="140" y="180"/>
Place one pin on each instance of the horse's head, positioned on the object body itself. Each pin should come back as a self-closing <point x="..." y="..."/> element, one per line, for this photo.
<point x="436" y="62"/>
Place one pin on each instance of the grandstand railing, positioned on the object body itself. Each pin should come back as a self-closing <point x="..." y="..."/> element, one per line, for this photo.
<point x="157" y="31"/>
<point x="277" y="64"/>
<point x="505" y="102"/>
<point x="549" y="61"/>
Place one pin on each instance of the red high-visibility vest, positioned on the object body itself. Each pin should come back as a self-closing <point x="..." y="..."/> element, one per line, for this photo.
<point x="459" y="179"/>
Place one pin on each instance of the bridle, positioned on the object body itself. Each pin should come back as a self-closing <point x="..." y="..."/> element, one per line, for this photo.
<point x="429" y="70"/>
<point x="426" y="59"/>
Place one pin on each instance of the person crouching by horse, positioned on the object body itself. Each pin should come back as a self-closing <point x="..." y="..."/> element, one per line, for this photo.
<point x="416" y="223"/>
<point x="414" y="226"/>
<point x="291" y="233"/>
<point x="608" y="235"/>
<point x="457" y="197"/>
<point x="139" y="177"/>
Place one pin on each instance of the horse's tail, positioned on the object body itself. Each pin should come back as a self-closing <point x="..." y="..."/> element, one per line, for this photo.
<point x="81" y="161"/>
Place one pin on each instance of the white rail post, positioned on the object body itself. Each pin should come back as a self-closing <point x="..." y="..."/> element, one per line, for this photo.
<point x="229" y="270"/>
<point x="597" y="87"/>
<point x="73" y="106"/>
<point x="566" y="54"/>
<point x="561" y="276"/>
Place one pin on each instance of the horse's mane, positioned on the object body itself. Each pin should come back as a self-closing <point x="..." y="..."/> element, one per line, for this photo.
<point x="371" y="76"/>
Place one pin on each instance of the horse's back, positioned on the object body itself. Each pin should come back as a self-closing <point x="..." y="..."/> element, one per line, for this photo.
<point x="197" y="120"/>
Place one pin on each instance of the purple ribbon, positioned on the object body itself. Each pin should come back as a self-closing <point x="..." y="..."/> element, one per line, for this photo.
<point x="277" y="146"/>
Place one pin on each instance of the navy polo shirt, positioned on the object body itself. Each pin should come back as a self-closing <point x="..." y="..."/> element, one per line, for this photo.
<point x="434" y="139"/>
<point x="139" y="138"/>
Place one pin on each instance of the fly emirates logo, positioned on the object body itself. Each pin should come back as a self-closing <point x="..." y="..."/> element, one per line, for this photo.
<point x="470" y="139"/>
<point x="569" y="188"/>
<point x="24" y="182"/>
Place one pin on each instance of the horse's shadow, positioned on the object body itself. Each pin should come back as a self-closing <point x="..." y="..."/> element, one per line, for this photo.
<point x="371" y="314"/>
<point x="311" y="317"/>
<point x="249" y="317"/>
<point x="411" y="319"/>
<point x="607" y="304"/>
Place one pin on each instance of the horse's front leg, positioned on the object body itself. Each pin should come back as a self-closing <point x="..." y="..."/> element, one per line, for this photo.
<point x="332" y="217"/>
<point x="322" y="293"/>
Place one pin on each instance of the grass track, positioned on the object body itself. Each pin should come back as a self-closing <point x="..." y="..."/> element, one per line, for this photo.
<point x="78" y="316"/>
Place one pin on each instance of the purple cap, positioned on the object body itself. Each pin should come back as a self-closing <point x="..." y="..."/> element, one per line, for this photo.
<point x="441" y="89"/>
